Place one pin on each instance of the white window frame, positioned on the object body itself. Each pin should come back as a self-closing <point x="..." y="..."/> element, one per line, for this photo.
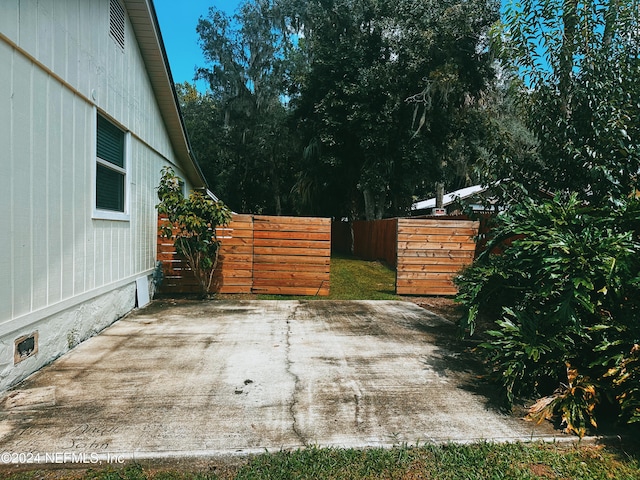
<point x="100" y="214"/>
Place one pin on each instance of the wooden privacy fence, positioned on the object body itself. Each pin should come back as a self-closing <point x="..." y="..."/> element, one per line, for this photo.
<point x="260" y="254"/>
<point x="235" y="261"/>
<point x="291" y="255"/>
<point x="376" y="239"/>
<point x="430" y="254"/>
<point x="427" y="252"/>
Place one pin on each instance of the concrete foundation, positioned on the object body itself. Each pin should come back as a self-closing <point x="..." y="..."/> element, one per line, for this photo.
<point x="55" y="335"/>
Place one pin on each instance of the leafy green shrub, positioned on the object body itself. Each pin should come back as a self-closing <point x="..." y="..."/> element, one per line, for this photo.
<point x="626" y="381"/>
<point x="565" y="291"/>
<point x="191" y="223"/>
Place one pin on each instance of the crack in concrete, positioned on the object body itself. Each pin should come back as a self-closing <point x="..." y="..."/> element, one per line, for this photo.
<point x="357" y="398"/>
<point x="296" y="379"/>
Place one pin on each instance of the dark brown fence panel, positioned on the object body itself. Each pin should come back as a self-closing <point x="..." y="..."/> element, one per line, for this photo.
<point x="376" y="240"/>
<point x="431" y="252"/>
<point x="235" y="262"/>
<point x="292" y="255"/>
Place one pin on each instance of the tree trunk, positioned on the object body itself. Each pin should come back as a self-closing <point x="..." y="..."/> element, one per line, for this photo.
<point x="276" y="188"/>
<point x="369" y="204"/>
<point x="380" y="205"/>
<point x="567" y="51"/>
<point x="278" y="204"/>
<point x="439" y="194"/>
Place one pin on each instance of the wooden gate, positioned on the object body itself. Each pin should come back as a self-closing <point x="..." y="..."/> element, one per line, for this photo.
<point x="376" y="240"/>
<point x="431" y="252"/>
<point x="291" y="255"/>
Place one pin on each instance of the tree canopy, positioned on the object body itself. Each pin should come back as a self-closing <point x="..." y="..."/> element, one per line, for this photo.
<point x="251" y="166"/>
<point x="345" y="108"/>
<point x="580" y="65"/>
<point x="356" y="108"/>
<point x="563" y="290"/>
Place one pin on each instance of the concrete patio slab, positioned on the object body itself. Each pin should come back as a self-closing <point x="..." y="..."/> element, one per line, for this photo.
<point x="183" y="379"/>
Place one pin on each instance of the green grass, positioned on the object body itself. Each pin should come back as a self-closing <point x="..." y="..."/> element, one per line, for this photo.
<point x="475" y="461"/>
<point x="353" y="279"/>
<point x="479" y="461"/>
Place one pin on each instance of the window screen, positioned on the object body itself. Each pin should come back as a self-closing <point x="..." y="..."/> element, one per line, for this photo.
<point x="110" y="168"/>
<point x="110" y="142"/>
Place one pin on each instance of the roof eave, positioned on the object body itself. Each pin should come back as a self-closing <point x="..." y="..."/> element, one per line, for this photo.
<point x="147" y="30"/>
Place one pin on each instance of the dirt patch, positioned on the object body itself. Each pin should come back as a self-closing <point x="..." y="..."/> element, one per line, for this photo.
<point x="540" y="470"/>
<point x="444" y="306"/>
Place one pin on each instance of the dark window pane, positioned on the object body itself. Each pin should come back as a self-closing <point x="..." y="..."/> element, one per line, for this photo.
<point x="110" y="142"/>
<point x="109" y="189"/>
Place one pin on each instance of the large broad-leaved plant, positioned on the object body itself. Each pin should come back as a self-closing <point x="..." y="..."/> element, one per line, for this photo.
<point x="559" y="285"/>
<point x="191" y="223"/>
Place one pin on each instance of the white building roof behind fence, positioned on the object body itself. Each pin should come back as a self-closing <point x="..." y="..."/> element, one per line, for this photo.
<point x="449" y="197"/>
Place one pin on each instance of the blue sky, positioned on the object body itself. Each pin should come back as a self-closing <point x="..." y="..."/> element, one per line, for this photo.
<point x="178" y="22"/>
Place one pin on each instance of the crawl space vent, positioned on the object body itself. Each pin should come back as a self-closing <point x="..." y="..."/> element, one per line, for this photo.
<point x="25" y="347"/>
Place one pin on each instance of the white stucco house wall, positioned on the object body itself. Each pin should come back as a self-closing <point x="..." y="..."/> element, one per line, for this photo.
<point x="88" y="117"/>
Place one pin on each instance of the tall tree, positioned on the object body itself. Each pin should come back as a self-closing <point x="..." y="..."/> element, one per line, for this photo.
<point x="369" y="149"/>
<point x="203" y="118"/>
<point x="452" y="106"/>
<point x="245" y="54"/>
<point x="580" y="63"/>
<point x="387" y="98"/>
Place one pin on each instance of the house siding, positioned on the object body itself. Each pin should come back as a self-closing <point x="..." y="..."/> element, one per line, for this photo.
<point x="58" y="67"/>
